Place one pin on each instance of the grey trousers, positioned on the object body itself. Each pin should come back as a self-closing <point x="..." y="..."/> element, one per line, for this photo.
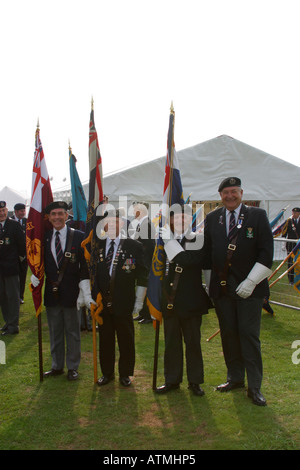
<point x="10" y="301"/>
<point x="64" y="326"/>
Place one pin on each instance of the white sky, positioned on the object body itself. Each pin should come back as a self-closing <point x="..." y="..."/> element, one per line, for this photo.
<point x="229" y="66"/>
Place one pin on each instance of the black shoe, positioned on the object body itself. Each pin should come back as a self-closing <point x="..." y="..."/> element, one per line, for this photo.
<point x="138" y="318"/>
<point x="3" y="328"/>
<point x="196" y="389"/>
<point x="125" y="381"/>
<point x="166" y="388"/>
<point x="227" y="386"/>
<point x="53" y="372"/>
<point x="257" y="397"/>
<point x="72" y="374"/>
<point x="105" y="379"/>
<point x="7" y="331"/>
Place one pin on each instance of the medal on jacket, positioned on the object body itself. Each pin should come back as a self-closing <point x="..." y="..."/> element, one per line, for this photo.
<point x="240" y="221"/>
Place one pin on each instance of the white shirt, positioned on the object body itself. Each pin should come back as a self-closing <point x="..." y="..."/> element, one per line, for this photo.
<point x="116" y="245"/>
<point x="63" y="239"/>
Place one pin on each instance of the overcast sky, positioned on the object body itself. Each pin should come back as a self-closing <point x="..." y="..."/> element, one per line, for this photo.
<point x="229" y="66"/>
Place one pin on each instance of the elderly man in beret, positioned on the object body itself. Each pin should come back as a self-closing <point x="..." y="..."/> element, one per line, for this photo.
<point x="239" y="244"/>
<point x="19" y="216"/>
<point x="67" y="288"/>
<point x="12" y="250"/>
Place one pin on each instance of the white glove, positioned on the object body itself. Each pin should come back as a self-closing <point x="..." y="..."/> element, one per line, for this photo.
<point x="166" y="233"/>
<point x="258" y="273"/>
<point x="85" y="293"/>
<point x="80" y="300"/>
<point x="34" y="280"/>
<point x="139" y="299"/>
<point x="207" y="276"/>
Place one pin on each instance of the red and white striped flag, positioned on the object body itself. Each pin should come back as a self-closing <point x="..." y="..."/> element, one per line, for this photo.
<point x="37" y="223"/>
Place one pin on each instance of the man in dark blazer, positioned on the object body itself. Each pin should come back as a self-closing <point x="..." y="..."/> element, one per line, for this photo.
<point x="120" y="268"/>
<point x="144" y="232"/>
<point x="239" y="245"/>
<point x="19" y="216"/>
<point x="292" y="233"/>
<point x="66" y="289"/>
<point x="183" y="304"/>
<point x="12" y="251"/>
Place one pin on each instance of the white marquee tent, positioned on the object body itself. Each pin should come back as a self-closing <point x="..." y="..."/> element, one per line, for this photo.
<point x="274" y="183"/>
<point x="12" y="197"/>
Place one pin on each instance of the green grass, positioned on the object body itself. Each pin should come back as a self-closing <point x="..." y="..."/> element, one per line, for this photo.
<point x="57" y="414"/>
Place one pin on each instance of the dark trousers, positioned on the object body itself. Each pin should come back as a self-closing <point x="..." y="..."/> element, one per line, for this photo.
<point x="176" y="330"/>
<point x="23" y="274"/>
<point x="239" y="321"/>
<point x="123" y="328"/>
<point x="10" y="301"/>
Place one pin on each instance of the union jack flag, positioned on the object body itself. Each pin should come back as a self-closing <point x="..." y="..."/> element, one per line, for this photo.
<point x="90" y="243"/>
<point x="172" y="194"/>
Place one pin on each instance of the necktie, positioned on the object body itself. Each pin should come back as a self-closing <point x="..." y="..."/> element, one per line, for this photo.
<point x="231" y="225"/>
<point x="58" y="250"/>
<point x="110" y="254"/>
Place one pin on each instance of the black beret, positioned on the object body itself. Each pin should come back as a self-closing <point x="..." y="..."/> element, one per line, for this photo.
<point x="19" y="206"/>
<point x="2" y="204"/>
<point x="228" y="182"/>
<point x="296" y="209"/>
<point x="56" y="205"/>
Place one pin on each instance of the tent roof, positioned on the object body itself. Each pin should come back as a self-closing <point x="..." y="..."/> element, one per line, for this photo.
<point x="202" y="168"/>
<point x="12" y="197"/>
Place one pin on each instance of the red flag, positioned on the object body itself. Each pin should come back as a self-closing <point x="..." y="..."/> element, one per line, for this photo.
<point x="37" y="221"/>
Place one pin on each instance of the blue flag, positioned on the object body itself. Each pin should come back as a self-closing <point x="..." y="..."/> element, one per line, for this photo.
<point x="79" y="203"/>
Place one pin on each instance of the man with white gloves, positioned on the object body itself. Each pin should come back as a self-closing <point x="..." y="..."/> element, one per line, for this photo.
<point x="239" y="246"/>
<point x="121" y="278"/>
<point x="67" y="288"/>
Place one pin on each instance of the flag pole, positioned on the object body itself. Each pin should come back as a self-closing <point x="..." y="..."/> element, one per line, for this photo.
<point x="39" y="318"/>
<point x="157" y="322"/>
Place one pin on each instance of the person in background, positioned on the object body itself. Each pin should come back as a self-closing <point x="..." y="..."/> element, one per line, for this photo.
<point x="12" y="252"/>
<point x="144" y="232"/>
<point x="19" y="216"/>
<point x="292" y="233"/>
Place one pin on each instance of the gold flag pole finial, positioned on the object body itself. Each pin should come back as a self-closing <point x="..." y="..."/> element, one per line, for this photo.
<point x="172" y="108"/>
<point x="69" y="145"/>
<point x="38" y="123"/>
<point x="92" y="103"/>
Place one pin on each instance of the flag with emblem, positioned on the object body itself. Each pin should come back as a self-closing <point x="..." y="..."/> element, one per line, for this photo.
<point x="172" y="194"/>
<point x="37" y="221"/>
<point x="79" y="204"/>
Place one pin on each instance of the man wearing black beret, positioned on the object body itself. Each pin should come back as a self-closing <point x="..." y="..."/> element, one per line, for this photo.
<point x="67" y="288"/>
<point x="12" y="250"/>
<point x="239" y="246"/>
<point x="19" y="216"/>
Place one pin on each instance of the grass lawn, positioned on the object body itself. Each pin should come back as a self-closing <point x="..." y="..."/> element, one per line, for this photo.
<point x="58" y="414"/>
